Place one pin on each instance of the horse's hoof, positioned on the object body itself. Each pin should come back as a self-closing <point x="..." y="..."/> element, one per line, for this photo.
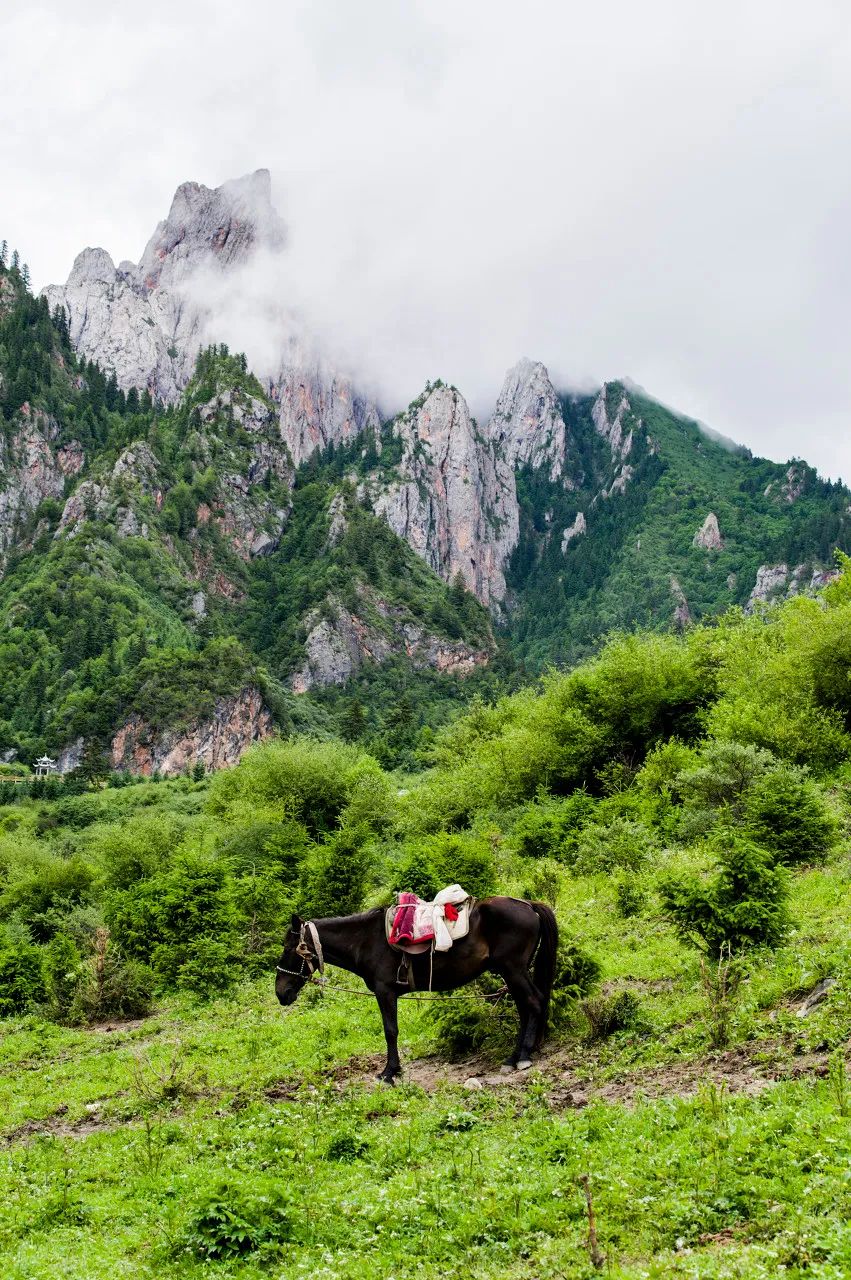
<point x="524" y="1066"/>
<point x="390" y="1080"/>
<point x="507" y="1069"/>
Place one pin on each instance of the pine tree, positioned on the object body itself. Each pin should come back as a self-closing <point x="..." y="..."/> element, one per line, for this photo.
<point x="4" y="249"/>
<point x="16" y="260"/>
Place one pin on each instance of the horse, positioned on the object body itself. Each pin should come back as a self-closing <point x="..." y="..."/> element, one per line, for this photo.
<point x="515" y="939"/>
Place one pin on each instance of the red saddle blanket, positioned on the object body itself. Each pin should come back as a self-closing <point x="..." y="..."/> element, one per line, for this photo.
<point x="411" y="926"/>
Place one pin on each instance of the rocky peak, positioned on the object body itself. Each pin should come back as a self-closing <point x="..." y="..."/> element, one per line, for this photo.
<point x="708" y="535"/>
<point x="207" y="226"/>
<point x="146" y="322"/>
<point x="455" y="501"/>
<point x="527" y="426"/>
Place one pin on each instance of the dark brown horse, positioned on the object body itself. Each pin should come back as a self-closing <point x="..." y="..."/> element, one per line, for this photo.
<point x="505" y="936"/>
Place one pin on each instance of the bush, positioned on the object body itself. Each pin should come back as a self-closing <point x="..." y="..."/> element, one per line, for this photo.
<point x="789" y="815"/>
<point x="184" y="924"/>
<point x="620" y="843"/>
<point x="21" y="985"/>
<point x="309" y="781"/>
<point x="232" y="1220"/>
<point x="743" y="906"/>
<point x="607" y="1014"/>
<point x="441" y="860"/>
<point x="335" y="875"/>
<point x="45" y="893"/>
<point x="464" y="1027"/>
<point x="630" y="896"/>
<point x="97" y="985"/>
<point x="62" y="972"/>
<point x="551" y="829"/>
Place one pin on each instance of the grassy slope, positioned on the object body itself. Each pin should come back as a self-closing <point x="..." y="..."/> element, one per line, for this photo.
<point x="112" y="1134"/>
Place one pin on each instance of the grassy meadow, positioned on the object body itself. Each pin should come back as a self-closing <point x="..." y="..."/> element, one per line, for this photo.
<point x="683" y="802"/>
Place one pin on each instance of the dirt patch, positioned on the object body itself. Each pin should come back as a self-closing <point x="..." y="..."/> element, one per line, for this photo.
<point x="58" y="1125"/>
<point x="743" y="1070"/>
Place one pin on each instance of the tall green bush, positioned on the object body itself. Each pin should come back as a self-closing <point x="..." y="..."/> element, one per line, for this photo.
<point x="743" y="905"/>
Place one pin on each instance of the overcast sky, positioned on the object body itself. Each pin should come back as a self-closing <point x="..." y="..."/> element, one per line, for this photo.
<point x="660" y="190"/>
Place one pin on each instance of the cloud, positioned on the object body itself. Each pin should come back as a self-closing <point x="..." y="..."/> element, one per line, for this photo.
<point x="655" y="191"/>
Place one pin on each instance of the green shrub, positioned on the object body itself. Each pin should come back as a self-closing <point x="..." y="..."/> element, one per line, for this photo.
<point x="630" y="896"/>
<point x="231" y="1220"/>
<point x="788" y="814"/>
<point x="618" y="844"/>
<point x="607" y="1014"/>
<point x="744" y="905"/>
<point x="334" y="879"/>
<point x="96" y="984"/>
<point x="417" y="873"/>
<point x="306" y="780"/>
<point x="62" y="972"/>
<point x="346" y="1148"/>
<point x="46" y="892"/>
<point x="184" y="924"/>
<point x="551" y="829"/>
<point x="441" y="860"/>
<point x="21" y="985"/>
<point x="463" y="1027"/>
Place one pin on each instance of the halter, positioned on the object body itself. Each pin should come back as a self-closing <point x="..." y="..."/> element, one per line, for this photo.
<point x="311" y="961"/>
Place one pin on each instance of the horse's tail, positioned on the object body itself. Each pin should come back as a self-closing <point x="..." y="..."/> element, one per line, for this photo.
<point x="544" y="970"/>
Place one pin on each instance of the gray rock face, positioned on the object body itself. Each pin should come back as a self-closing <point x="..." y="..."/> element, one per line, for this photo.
<point x="575" y="530"/>
<point x="147" y="322"/>
<point x="770" y="582"/>
<point x="31" y="469"/>
<point x="455" y="502"/>
<point x="527" y="425"/>
<point x="317" y="405"/>
<point x="236" y="722"/>
<point x="613" y="430"/>
<point x="681" y="616"/>
<point x="340" y="642"/>
<point x="708" y="535"/>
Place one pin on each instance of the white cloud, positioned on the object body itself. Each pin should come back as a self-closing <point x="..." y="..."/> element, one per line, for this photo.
<point x="653" y="190"/>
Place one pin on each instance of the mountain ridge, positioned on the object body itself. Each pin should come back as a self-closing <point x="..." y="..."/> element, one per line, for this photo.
<point x="292" y="546"/>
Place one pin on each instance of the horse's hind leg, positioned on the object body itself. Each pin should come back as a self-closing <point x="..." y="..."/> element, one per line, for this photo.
<point x="529" y="1009"/>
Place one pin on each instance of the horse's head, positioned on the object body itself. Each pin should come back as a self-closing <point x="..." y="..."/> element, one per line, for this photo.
<point x="295" y="965"/>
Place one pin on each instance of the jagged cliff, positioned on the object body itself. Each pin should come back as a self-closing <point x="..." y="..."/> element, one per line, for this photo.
<point x="147" y="321"/>
<point x="454" y="499"/>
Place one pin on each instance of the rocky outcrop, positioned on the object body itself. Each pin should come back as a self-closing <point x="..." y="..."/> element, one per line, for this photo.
<point x="147" y="321"/>
<point x="527" y="427"/>
<point x="318" y="406"/>
<point x="340" y="642"/>
<point x="681" y="616"/>
<point x="575" y="530"/>
<point x="778" y="581"/>
<point x="31" y="469"/>
<point x="218" y="742"/>
<point x="708" y="535"/>
<point x="614" y="429"/>
<point x="455" y="501"/>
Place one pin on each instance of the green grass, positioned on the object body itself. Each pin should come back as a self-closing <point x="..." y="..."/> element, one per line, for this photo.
<point x="113" y="1136"/>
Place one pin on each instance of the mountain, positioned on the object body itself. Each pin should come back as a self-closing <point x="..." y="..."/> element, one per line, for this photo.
<point x="147" y="322"/>
<point x="194" y="553"/>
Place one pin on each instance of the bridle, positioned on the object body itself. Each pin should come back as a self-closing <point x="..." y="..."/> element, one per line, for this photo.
<point x="311" y="961"/>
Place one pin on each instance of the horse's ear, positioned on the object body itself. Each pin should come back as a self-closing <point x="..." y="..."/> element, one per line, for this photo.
<point x="296" y="921"/>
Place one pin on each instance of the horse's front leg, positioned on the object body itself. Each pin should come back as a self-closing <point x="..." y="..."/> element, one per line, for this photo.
<point x="388" y="1002"/>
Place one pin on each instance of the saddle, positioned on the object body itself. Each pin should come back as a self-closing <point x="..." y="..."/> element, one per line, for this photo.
<point x="415" y="926"/>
